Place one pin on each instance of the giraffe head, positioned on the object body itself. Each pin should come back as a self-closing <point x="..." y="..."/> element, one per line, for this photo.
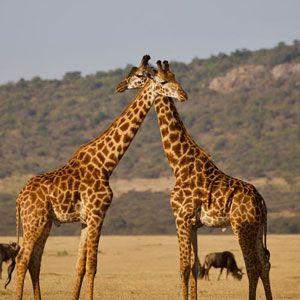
<point x="165" y="83"/>
<point x="14" y="247"/>
<point x="162" y="79"/>
<point x="137" y="76"/>
<point x="238" y="274"/>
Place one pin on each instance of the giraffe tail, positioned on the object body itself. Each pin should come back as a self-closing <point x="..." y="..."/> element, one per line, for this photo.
<point x="267" y="252"/>
<point x="17" y="220"/>
<point x="11" y="267"/>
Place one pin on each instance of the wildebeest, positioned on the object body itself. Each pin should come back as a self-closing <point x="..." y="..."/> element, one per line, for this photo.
<point x="221" y="260"/>
<point x="8" y="252"/>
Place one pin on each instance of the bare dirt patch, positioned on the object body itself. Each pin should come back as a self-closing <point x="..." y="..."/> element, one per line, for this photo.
<point x="147" y="267"/>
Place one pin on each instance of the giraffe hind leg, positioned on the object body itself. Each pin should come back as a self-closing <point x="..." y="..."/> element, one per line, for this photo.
<point x="247" y="241"/>
<point x="33" y="238"/>
<point x="21" y="262"/>
<point x="36" y="258"/>
<point x="264" y="256"/>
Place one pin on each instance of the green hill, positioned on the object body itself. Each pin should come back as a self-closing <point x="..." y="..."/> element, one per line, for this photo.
<point x="243" y="108"/>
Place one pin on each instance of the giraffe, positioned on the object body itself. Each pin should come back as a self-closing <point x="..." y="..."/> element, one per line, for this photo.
<point x="205" y="196"/>
<point x="80" y="191"/>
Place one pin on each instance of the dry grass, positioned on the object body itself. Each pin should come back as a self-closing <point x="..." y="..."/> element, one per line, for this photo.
<point x="146" y="267"/>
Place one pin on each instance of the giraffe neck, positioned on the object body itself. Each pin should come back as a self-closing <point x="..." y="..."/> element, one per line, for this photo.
<point x="105" y="151"/>
<point x="178" y="144"/>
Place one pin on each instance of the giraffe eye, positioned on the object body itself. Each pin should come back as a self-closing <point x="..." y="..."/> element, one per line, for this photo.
<point x="139" y="76"/>
<point x="163" y="82"/>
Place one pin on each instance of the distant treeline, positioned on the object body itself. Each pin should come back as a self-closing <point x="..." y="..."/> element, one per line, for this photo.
<point x="251" y="129"/>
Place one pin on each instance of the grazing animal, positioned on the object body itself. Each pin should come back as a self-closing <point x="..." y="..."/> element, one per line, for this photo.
<point x="222" y="260"/>
<point x="204" y="195"/>
<point x="80" y="191"/>
<point x="8" y="252"/>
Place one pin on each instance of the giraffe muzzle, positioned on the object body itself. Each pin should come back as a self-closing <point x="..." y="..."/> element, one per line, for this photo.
<point x="183" y="96"/>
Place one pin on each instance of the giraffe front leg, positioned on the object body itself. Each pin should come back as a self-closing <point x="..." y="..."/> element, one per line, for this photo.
<point x="194" y="264"/>
<point x="81" y="263"/>
<point x="184" y="239"/>
<point x="97" y="200"/>
<point x="91" y="258"/>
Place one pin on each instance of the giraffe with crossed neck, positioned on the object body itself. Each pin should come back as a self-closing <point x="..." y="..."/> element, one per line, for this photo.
<point x="204" y="195"/>
<point x="80" y="191"/>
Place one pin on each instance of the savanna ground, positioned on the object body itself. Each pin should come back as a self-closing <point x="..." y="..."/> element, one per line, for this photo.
<point x="147" y="267"/>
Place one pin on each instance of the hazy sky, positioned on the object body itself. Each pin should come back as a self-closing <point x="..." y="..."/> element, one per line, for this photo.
<point x="50" y="38"/>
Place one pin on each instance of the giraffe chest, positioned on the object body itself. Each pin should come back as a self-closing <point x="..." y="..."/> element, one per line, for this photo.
<point x="66" y="206"/>
<point x="65" y="198"/>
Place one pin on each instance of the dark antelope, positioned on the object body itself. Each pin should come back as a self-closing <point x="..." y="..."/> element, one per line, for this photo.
<point x="221" y="260"/>
<point x="8" y="252"/>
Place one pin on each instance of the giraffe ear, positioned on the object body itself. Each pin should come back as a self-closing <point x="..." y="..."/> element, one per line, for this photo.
<point x="122" y="86"/>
